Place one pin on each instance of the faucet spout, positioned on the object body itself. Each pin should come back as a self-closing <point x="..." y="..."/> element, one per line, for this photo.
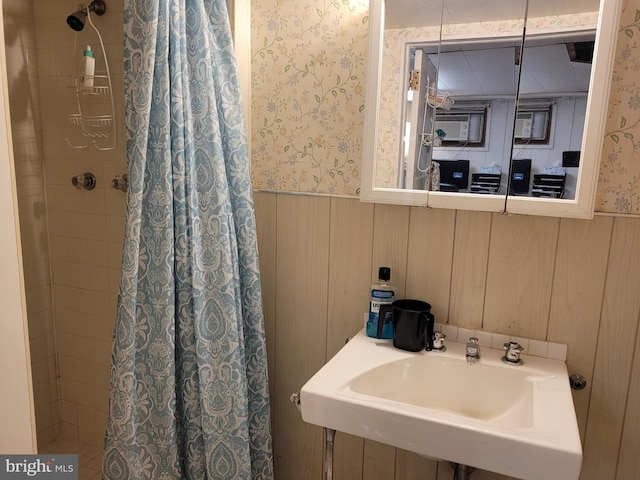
<point x="472" y="352"/>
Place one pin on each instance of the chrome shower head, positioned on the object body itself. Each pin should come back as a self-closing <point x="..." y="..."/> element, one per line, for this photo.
<point x="76" y="20"/>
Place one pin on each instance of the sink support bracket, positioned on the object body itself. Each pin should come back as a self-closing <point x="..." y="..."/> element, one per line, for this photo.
<point x="461" y="472"/>
<point x="329" y="437"/>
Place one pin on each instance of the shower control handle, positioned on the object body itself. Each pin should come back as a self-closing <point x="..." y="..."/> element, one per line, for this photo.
<point x="87" y="181"/>
<point x="120" y="182"/>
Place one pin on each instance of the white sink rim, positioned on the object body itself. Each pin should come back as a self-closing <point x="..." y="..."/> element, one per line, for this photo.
<point x="549" y="447"/>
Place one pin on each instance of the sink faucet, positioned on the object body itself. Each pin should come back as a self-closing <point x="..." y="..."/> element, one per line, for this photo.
<point x="473" y="351"/>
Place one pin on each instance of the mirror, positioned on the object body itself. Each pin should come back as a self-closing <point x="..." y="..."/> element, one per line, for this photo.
<point x="498" y="106"/>
<point x="467" y="114"/>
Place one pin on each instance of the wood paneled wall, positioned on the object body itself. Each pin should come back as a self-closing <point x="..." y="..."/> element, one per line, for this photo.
<point x="561" y="280"/>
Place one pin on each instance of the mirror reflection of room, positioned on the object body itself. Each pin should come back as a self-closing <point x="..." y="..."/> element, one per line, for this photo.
<point x="470" y="111"/>
<point x="484" y="115"/>
<point x="480" y="117"/>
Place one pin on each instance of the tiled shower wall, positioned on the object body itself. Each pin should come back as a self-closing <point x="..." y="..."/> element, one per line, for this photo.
<point x="85" y="227"/>
<point x="76" y="241"/>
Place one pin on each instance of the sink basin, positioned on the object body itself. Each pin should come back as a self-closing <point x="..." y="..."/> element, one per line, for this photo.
<point x="514" y="420"/>
<point x="486" y="392"/>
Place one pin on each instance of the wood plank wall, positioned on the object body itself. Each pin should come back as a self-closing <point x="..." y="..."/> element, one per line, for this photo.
<point x="561" y="280"/>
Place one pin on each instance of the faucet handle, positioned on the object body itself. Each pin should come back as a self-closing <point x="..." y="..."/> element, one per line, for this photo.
<point x="512" y="353"/>
<point x="513" y="346"/>
<point x="438" y="341"/>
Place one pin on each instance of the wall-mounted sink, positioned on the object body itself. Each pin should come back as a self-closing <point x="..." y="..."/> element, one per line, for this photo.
<point x="513" y="420"/>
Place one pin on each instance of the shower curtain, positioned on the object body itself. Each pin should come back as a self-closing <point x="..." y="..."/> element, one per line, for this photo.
<point x="189" y="389"/>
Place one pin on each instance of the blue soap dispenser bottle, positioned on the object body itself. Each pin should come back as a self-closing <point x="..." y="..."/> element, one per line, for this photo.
<point x="382" y="293"/>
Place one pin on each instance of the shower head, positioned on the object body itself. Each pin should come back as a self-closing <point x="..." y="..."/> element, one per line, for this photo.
<point x="76" y="20"/>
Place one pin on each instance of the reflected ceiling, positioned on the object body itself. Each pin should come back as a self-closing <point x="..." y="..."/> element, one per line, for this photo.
<point x="492" y="72"/>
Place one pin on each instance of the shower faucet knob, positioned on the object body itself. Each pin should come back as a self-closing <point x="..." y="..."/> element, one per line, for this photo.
<point x="87" y="181"/>
<point x="120" y="182"/>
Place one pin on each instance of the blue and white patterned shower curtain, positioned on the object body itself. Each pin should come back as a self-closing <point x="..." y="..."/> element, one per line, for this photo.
<point x="189" y="387"/>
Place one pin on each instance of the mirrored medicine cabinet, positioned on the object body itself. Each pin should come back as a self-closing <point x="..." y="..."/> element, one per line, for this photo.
<point x="495" y="106"/>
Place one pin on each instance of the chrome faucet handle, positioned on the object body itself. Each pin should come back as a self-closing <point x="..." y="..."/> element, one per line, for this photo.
<point x="87" y="181"/>
<point x="512" y="353"/>
<point x="438" y="341"/>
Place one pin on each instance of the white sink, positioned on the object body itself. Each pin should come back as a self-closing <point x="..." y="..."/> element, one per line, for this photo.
<point x="514" y="420"/>
<point x="487" y="392"/>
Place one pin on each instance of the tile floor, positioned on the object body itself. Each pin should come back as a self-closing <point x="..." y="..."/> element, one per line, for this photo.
<point x="89" y="458"/>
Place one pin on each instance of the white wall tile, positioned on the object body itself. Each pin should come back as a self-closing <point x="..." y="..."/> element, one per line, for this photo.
<point x="464" y="334"/>
<point x="557" y="351"/>
<point x="499" y="340"/>
<point x="537" y="348"/>
<point x="451" y="331"/>
<point x="484" y="338"/>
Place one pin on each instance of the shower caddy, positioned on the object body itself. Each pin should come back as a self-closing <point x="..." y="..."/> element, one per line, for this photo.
<point x="97" y="129"/>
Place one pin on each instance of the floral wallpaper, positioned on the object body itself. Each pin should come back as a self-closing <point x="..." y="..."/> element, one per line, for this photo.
<point x="619" y="179"/>
<point x="308" y="76"/>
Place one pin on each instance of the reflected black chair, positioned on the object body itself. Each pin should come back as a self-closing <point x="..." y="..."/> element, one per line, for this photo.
<point x="454" y="175"/>
<point x="520" y="176"/>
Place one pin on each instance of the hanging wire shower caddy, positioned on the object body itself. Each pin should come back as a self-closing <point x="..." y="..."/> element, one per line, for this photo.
<point x="96" y="129"/>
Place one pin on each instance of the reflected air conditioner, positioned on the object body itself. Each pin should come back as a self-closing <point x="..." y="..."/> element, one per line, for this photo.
<point x="524" y="125"/>
<point x="456" y="127"/>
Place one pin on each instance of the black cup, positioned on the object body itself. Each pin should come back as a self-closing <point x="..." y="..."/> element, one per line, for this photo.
<point x="412" y="324"/>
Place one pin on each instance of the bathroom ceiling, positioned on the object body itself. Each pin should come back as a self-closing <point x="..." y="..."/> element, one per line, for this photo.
<point x="412" y="13"/>
<point x="547" y="69"/>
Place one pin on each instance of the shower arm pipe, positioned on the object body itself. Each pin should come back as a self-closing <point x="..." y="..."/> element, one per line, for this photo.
<point x="113" y="122"/>
<point x="97" y="6"/>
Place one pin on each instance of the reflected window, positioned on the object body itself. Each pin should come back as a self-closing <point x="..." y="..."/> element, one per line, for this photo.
<point x="533" y="125"/>
<point x="462" y="128"/>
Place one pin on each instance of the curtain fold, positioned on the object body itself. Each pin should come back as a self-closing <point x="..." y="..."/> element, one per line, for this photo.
<point x="189" y="388"/>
